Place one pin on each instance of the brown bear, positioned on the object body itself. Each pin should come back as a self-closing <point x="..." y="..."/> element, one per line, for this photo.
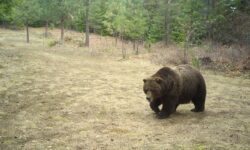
<point x="173" y="86"/>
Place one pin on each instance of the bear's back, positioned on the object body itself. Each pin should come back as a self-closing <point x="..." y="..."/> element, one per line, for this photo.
<point x="189" y="82"/>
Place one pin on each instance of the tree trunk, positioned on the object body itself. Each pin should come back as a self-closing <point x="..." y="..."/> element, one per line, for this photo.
<point x="167" y="22"/>
<point x="62" y="30"/>
<point x="185" y="53"/>
<point x="186" y="46"/>
<point x="4" y="24"/>
<point x="46" y="28"/>
<point x="137" y="48"/>
<point x="116" y="39"/>
<point x="114" y="35"/>
<point x="134" y="43"/>
<point x="123" y="48"/>
<point x="210" y="9"/>
<point x="87" y="24"/>
<point x="27" y="34"/>
<point x="149" y="25"/>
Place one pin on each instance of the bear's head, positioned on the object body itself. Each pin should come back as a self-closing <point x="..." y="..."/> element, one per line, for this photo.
<point x="156" y="87"/>
<point x="153" y="88"/>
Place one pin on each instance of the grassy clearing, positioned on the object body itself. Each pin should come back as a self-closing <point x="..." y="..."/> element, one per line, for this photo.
<point x="65" y="98"/>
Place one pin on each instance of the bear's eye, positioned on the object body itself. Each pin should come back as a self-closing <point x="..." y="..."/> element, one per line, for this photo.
<point x="152" y="90"/>
<point x="145" y="91"/>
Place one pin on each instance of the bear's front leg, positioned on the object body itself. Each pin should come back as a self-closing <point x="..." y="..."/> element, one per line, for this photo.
<point x="167" y="109"/>
<point x="154" y="105"/>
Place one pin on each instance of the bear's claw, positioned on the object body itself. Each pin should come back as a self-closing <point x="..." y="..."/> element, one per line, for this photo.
<point x="162" y="115"/>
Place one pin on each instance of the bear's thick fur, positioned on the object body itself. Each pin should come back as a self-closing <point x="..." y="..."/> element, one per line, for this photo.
<point x="173" y="86"/>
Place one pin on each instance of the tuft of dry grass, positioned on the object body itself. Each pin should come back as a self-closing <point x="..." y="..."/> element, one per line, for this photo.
<point x="171" y="55"/>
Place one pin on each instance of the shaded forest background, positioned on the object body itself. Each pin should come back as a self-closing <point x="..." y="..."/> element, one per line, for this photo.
<point x="217" y="27"/>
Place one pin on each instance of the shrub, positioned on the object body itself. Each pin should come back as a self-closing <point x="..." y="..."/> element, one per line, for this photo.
<point x="53" y="43"/>
<point x="196" y="63"/>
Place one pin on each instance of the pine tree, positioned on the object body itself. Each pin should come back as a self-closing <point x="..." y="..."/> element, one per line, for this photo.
<point x="25" y="13"/>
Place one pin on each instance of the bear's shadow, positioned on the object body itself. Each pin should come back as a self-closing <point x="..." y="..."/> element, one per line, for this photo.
<point x="184" y="117"/>
<point x="188" y="117"/>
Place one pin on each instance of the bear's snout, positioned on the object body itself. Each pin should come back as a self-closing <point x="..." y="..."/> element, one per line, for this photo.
<point x="149" y="96"/>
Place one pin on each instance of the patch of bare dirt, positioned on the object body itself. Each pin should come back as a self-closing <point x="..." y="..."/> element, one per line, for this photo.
<point x="64" y="98"/>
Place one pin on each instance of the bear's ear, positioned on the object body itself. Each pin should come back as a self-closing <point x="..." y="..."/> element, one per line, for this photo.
<point x="158" y="80"/>
<point x="144" y="80"/>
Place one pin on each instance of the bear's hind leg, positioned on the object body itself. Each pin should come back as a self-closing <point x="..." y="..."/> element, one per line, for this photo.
<point x="200" y="97"/>
<point x="199" y="102"/>
<point x="176" y="106"/>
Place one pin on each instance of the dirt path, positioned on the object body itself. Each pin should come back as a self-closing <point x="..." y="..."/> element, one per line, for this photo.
<point x="65" y="99"/>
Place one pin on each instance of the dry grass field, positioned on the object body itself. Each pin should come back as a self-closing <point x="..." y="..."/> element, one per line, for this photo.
<point x="65" y="98"/>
